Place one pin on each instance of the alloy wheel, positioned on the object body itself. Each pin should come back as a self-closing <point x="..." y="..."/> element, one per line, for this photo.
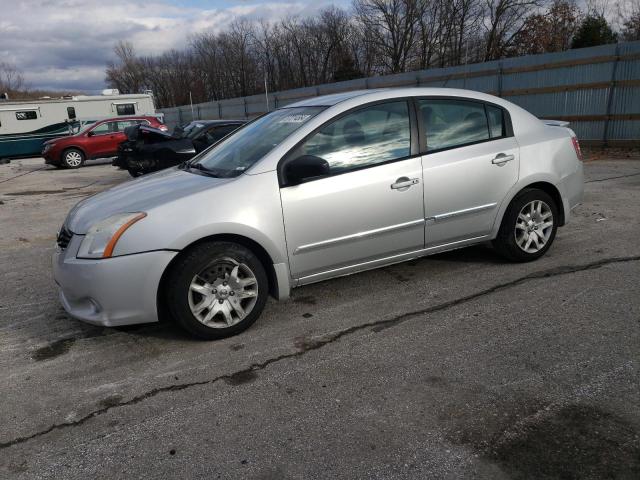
<point x="534" y="226"/>
<point x="223" y="293"/>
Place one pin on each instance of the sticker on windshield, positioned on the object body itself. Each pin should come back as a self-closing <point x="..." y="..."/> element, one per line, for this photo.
<point x="295" y="118"/>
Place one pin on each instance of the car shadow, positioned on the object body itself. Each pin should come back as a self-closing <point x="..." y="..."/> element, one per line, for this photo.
<point x="483" y="254"/>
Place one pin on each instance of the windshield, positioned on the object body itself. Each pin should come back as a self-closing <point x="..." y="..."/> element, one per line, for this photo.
<point x="81" y="126"/>
<point x="191" y="130"/>
<point x="249" y="144"/>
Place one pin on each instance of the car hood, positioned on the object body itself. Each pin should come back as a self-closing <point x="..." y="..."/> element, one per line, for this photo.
<point x="140" y="195"/>
<point x="58" y="139"/>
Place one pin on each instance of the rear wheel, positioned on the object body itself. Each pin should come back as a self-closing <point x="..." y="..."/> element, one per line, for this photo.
<point x="528" y="227"/>
<point x="217" y="289"/>
<point x="72" y="158"/>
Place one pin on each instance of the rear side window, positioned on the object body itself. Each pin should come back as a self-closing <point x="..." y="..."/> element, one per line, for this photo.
<point x="497" y="127"/>
<point x="127" y="123"/>
<point x="126" y="109"/>
<point x="372" y="135"/>
<point x="453" y="123"/>
<point x="27" y="115"/>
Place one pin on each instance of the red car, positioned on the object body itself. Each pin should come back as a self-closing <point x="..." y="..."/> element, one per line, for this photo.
<point x="97" y="140"/>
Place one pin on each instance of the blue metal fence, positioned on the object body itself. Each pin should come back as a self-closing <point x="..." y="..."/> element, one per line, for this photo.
<point x="596" y="89"/>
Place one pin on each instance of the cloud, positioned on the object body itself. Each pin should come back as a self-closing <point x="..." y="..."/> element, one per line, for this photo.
<point x="65" y="44"/>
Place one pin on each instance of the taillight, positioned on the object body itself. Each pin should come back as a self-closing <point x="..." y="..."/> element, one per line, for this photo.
<point x="576" y="147"/>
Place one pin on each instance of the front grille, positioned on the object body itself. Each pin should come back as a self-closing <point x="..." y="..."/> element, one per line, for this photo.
<point x="64" y="237"/>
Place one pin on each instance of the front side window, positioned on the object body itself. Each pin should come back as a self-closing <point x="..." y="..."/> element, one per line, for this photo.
<point x="369" y="136"/>
<point x="240" y="151"/>
<point x="452" y="123"/>
<point x="103" y="128"/>
<point x="126" y="109"/>
<point x="27" y="115"/>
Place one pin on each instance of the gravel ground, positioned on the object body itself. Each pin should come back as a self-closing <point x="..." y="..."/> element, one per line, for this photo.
<point x="457" y="365"/>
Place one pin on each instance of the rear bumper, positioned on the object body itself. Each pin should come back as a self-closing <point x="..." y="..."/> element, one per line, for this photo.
<point x="113" y="291"/>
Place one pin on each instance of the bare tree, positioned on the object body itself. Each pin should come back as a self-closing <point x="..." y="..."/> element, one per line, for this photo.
<point x="11" y="79"/>
<point x="393" y="26"/>
<point x="504" y="20"/>
<point x="548" y="31"/>
<point x="629" y="18"/>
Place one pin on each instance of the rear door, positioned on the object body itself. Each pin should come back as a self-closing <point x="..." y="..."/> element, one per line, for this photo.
<point x="471" y="162"/>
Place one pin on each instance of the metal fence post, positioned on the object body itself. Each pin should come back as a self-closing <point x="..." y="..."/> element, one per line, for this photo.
<point x="219" y="110"/>
<point x="612" y="86"/>
<point x="246" y="113"/>
<point x="500" y="79"/>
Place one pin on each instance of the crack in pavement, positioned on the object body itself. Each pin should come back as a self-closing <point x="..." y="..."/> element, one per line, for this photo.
<point x="612" y="178"/>
<point x="23" y="174"/>
<point x="315" y="344"/>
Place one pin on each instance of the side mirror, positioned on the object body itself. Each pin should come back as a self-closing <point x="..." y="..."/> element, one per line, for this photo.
<point x="90" y="134"/>
<point x="304" y="168"/>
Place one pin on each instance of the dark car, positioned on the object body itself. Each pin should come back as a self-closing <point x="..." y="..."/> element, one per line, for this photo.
<point x="150" y="149"/>
<point x="96" y="140"/>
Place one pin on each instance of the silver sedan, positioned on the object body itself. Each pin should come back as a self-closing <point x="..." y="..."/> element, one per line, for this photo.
<point x="325" y="187"/>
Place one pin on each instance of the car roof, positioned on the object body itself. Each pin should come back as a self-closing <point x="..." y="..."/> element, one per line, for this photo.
<point x="128" y="117"/>
<point x="375" y="94"/>
<point x="217" y="122"/>
<point x="333" y="99"/>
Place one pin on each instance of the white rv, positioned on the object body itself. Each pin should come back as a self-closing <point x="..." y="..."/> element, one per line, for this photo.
<point x="25" y="125"/>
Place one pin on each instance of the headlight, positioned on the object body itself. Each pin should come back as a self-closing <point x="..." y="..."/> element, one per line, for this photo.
<point x="46" y="148"/>
<point x="102" y="237"/>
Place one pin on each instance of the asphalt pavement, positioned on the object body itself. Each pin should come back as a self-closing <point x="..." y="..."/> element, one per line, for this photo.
<point x="458" y="365"/>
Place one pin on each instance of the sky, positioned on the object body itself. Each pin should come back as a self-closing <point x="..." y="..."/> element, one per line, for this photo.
<point x="66" y="44"/>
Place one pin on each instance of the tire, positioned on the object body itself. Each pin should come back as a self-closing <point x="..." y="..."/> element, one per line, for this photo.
<point x="72" y="158"/>
<point x="205" y="294"/>
<point x="525" y="233"/>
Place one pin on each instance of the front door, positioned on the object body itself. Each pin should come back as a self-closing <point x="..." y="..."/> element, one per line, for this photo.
<point x="369" y="207"/>
<point x="104" y="140"/>
<point x="471" y="163"/>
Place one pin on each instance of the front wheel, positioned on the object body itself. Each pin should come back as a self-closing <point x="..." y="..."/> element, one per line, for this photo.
<point x="72" y="158"/>
<point x="217" y="289"/>
<point x="528" y="227"/>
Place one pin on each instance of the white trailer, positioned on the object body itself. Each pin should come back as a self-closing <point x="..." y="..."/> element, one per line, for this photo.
<point x="25" y="125"/>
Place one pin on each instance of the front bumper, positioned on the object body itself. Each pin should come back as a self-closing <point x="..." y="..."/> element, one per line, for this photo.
<point x="112" y="291"/>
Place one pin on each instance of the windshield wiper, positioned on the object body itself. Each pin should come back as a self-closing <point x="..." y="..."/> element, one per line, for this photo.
<point x="202" y="168"/>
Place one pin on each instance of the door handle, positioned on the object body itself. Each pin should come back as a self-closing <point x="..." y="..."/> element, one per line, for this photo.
<point x="502" y="158"/>
<point x="403" y="183"/>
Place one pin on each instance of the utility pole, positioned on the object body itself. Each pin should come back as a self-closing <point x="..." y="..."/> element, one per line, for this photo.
<point x="266" y="89"/>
